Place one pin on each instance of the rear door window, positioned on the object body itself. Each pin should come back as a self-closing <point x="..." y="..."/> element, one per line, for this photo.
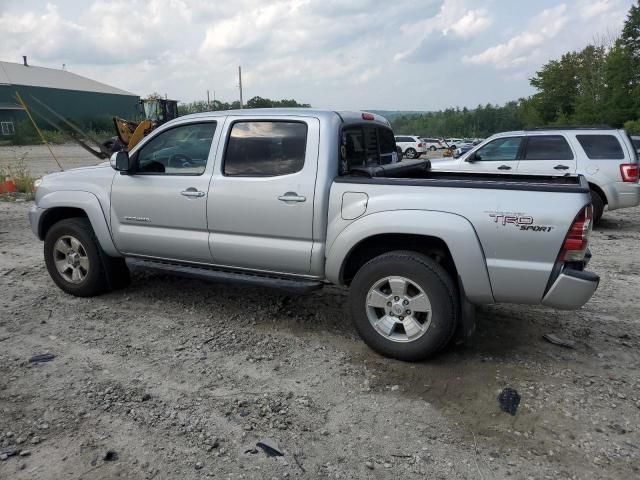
<point x="548" y="147"/>
<point x="265" y="148"/>
<point x="601" y="147"/>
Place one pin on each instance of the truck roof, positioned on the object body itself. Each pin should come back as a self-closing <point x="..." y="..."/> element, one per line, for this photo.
<point x="345" y="116"/>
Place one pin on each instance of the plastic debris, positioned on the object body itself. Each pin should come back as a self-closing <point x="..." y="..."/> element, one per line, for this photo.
<point x="551" y="338"/>
<point x="110" y="456"/>
<point x="270" y="450"/>
<point x="44" y="357"/>
<point x="509" y="399"/>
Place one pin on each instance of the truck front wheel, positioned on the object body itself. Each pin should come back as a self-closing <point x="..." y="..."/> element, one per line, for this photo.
<point x="77" y="264"/>
<point x="404" y="305"/>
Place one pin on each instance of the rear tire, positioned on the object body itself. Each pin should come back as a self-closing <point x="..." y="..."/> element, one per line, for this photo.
<point x="598" y="206"/>
<point x="416" y="334"/>
<point x="76" y="262"/>
<point x="410" y="153"/>
<point x="433" y="148"/>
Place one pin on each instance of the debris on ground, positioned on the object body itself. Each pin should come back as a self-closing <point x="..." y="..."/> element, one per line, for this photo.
<point x="110" y="456"/>
<point x="269" y="449"/>
<point x="42" y="358"/>
<point x="509" y="400"/>
<point x="562" y="342"/>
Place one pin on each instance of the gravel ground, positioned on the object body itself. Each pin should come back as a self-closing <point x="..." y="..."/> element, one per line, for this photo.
<point x="175" y="378"/>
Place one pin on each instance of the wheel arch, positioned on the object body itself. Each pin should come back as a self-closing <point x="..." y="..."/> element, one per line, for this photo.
<point x="60" y="205"/>
<point x="599" y="191"/>
<point x="437" y="234"/>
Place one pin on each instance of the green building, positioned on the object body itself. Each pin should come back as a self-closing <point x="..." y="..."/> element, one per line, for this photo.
<point x="85" y="102"/>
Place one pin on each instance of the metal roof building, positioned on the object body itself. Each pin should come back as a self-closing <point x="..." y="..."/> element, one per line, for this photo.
<point x="84" y="101"/>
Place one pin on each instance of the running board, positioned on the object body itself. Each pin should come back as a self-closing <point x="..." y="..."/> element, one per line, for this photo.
<point x="216" y="275"/>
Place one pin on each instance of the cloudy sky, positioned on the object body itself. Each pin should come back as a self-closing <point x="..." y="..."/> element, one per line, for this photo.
<point x="345" y="54"/>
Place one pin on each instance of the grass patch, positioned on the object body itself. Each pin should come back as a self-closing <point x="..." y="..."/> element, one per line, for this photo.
<point x="19" y="172"/>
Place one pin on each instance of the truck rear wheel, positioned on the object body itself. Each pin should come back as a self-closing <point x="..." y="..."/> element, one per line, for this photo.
<point x="404" y="305"/>
<point x="77" y="264"/>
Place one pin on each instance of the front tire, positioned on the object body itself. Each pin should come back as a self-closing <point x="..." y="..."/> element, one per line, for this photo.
<point x="433" y="148"/>
<point x="77" y="264"/>
<point x="404" y="305"/>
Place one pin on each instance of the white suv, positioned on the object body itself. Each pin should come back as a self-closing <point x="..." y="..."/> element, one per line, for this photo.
<point x="606" y="157"/>
<point x="432" y="144"/>
<point x="412" y="146"/>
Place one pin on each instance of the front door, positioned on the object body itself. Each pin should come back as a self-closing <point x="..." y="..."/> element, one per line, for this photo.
<point x="548" y="155"/>
<point x="160" y="209"/>
<point x="261" y="201"/>
<point x="498" y="156"/>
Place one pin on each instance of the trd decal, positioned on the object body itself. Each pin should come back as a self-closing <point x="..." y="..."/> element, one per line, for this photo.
<point x="522" y="222"/>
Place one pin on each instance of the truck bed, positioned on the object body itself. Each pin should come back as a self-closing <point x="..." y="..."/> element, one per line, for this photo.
<point x="418" y="173"/>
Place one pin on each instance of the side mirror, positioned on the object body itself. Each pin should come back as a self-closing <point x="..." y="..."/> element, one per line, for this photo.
<point x="120" y="161"/>
<point x="472" y="158"/>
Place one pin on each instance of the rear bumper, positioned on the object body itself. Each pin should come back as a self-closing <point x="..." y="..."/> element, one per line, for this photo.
<point x="571" y="290"/>
<point x="623" y="195"/>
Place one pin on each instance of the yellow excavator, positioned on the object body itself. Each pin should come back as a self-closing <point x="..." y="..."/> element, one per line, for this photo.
<point x="156" y="112"/>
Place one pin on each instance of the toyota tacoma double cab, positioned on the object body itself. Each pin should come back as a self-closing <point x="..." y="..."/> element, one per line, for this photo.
<point x="299" y="198"/>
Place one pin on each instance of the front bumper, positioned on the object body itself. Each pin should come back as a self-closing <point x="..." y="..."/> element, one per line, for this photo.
<point x="571" y="290"/>
<point x="35" y="214"/>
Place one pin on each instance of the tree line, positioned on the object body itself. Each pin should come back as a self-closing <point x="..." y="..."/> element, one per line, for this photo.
<point x="255" y="102"/>
<point x="598" y="85"/>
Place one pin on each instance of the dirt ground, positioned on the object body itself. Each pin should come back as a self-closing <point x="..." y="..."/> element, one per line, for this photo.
<point x="175" y="378"/>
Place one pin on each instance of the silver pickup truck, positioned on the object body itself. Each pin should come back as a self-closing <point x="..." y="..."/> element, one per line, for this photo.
<point x="296" y="199"/>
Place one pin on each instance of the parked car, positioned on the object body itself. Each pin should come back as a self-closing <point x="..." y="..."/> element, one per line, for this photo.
<point x="453" y="142"/>
<point x="412" y="146"/>
<point x="296" y="199"/>
<point x="432" y="144"/>
<point x="606" y="157"/>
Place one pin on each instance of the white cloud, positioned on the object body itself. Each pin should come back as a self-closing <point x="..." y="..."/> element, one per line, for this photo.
<point x="592" y="9"/>
<point x="518" y="49"/>
<point x="330" y="53"/>
<point x="447" y="30"/>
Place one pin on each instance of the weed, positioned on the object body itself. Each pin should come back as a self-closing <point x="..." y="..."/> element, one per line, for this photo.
<point x="20" y="174"/>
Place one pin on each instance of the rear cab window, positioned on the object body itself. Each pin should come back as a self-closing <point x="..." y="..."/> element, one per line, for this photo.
<point x="366" y="145"/>
<point x="601" y="147"/>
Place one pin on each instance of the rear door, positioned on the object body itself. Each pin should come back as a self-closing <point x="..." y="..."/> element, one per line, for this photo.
<point x="498" y="156"/>
<point x="260" y="206"/>
<point x="548" y="155"/>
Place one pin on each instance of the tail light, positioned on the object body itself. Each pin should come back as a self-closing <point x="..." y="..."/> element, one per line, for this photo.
<point x="420" y="145"/>
<point x="629" y="172"/>
<point x="575" y="243"/>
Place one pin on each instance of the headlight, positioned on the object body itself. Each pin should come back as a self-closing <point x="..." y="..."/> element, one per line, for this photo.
<point x="36" y="184"/>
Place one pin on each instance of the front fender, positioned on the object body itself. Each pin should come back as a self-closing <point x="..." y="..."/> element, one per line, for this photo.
<point x="85" y="201"/>
<point x="456" y="231"/>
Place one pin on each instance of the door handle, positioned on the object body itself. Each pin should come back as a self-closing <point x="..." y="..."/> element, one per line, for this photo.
<point x="504" y="167"/>
<point x="561" y="167"/>
<point x="192" y="192"/>
<point x="292" y="197"/>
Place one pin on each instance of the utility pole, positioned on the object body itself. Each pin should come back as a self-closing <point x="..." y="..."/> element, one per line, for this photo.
<point x="208" y="102"/>
<point x="240" y="84"/>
